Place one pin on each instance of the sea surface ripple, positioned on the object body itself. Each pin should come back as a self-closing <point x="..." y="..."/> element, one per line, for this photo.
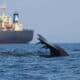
<point x="23" y="62"/>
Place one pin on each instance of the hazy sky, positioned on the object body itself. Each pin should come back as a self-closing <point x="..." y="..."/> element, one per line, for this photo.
<point x="57" y="20"/>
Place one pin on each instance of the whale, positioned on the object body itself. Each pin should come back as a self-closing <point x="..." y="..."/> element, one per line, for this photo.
<point x="55" y="50"/>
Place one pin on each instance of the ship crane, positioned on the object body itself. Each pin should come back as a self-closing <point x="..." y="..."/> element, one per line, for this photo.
<point x="3" y="7"/>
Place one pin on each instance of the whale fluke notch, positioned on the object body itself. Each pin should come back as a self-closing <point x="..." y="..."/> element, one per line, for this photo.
<point x="55" y="50"/>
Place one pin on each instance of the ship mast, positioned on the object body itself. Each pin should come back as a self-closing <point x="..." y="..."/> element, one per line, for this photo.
<point x="3" y="7"/>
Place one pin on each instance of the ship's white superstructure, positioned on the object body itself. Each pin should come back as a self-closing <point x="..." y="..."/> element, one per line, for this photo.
<point x="6" y="22"/>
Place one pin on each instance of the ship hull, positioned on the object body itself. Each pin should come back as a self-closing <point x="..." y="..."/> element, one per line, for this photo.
<point x="16" y="36"/>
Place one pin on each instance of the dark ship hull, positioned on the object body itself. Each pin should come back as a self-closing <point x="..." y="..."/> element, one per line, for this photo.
<point x="24" y="36"/>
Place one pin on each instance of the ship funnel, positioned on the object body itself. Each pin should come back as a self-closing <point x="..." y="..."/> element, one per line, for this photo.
<point x="15" y="17"/>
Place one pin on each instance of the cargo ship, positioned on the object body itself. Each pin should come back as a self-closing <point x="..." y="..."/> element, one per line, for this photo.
<point x="11" y="29"/>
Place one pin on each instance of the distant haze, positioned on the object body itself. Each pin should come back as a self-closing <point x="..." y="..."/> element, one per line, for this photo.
<point x="57" y="20"/>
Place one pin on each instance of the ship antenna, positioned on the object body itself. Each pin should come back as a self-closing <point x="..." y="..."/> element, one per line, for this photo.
<point x="4" y="7"/>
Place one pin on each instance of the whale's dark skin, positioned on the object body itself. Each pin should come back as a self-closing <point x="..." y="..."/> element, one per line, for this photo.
<point x="55" y="50"/>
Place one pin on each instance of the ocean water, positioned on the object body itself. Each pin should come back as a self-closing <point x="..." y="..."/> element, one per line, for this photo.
<point x="23" y="62"/>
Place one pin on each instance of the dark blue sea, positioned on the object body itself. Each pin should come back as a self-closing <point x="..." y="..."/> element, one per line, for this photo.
<point x="23" y="62"/>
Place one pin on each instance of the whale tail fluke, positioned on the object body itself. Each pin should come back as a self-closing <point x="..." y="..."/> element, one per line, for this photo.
<point x="55" y="50"/>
